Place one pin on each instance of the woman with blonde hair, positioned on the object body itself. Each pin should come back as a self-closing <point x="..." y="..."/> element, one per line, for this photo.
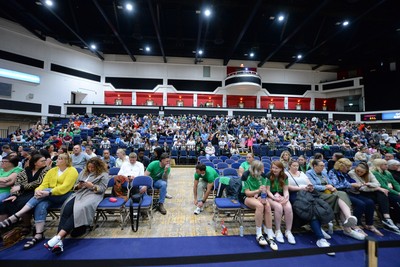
<point x="371" y="188"/>
<point x="54" y="190"/>
<point x="285" y="157"/>
<point x="254" y="196"/>
<point x="342" y="181"/>
<point x="244" y="166"/>
<point x="278" y="197"/>
<point x="385" y="178"/>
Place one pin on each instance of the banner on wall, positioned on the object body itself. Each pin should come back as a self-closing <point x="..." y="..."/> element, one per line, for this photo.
<point x="371" y="117"/>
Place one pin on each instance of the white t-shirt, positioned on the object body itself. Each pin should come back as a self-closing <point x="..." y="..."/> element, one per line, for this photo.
<point x="128" y="169"/>
<point x="302" y="179"/>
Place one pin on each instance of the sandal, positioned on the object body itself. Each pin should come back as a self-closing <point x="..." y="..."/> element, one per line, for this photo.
<point x="374" y="230"/>
<point x="34" y="240"/>
<point x="359" y="230"/>
<point x="7" y="222"/>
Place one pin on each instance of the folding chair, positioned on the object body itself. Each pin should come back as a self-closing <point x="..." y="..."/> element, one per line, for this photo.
<point x="147" y="202"/>
<point x="106" y="206"/>
<point x="230" y="172"/>
<point x="224" y="206"/>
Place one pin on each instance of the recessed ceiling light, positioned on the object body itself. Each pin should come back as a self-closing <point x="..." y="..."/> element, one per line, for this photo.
<point x="207" y="12"/>
<point x="281" y="18"/>
<point x="271" y="18"/>
<point x="345" y="23"/>
<point x="200" y="52"/>
<point x="49" y="2"/>
<point x="299" y="56"/>
<point x="129" y="7"/>
<point x="93" y="46"/>
<point x="38" y="3"/>
<point x="251" y="54"/>
<point x="147" y="48"/>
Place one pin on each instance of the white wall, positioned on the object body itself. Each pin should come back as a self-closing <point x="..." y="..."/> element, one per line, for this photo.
<point x="56" y="88"/>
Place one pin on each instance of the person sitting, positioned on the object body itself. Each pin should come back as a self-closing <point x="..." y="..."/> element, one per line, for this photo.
<point x="285" y="158"/>
<point x="23" y="189"/>
<point x="210" y="150"/>
<point x="225" y="151"/>
<point x="108" y="159"/>
<point x="338" y="200"/>
<point x="303" y="166"/>
<point x="387" y="181"/>
<point x="361" y="205"/>
<point x="159" y="170"/>
<point x="278" y="197"/>
<point x="254" y="196"/>
<point x="245" y="165"/>
<point x="141" y="157"/>
<point x="371" y="188"/>
<point x="78" y="157"/>
<point x="79" y="209"/>
<point x="204" y="177"/>
<point x="132" y="168"/>
<point x="394" y="169"/>
<point x="54" y="190"/>
<point x="121" y="158"/>
<point x="336" y="156"/>
<point x="299" y="181"/>
<point x="8" y="174"/>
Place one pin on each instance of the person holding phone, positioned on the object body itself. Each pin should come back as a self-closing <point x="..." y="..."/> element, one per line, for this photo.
<point x="79" y="209"/>
<point x="159" y="170"/>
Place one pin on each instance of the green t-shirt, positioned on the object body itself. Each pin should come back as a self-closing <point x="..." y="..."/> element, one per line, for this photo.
<point x="275" y="187"/>
<point x="253" y="183"/>
<point x="4" y="174"/>
<point x="210" y="175"/>
<point x="156" y="172"/>
<point x="245" y="165"/>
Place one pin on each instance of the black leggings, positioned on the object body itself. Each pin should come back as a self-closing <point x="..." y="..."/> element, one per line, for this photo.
<point x="379" y="198"/>
<point x="67" y="217"/>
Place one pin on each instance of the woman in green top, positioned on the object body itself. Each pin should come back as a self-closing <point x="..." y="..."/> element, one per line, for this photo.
<point x="254" y="189"/>
<point x="246" y="164"/>
<point x="278" y="197"/>
<point x="387" y="181"/>
<point x="8" y="175"/>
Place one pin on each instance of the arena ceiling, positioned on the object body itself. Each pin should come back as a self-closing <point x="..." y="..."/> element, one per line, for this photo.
<point x="236" y="29"/>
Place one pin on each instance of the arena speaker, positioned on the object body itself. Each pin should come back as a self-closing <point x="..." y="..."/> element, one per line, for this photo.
<point x="5" y="90"/>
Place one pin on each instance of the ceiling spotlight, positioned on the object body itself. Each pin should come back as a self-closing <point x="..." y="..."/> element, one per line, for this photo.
<point x="345" y="23"/>
<point x="207" y="12"/>
<point x="299" y="56"/>
<point x="350" y="104"/>
<point x="251" y="54"/>
<point x="200" y="52"/>
<point x="147" y="48"/>
<point x="49" y="2"/>
<point x="281" y="18"/>
<point x="93" y="46"/>
<point x="129" y="7"/>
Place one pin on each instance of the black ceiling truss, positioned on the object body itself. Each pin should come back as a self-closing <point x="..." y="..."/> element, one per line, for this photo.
<point x="114" y="30"/>
<point x="157" y="29"/>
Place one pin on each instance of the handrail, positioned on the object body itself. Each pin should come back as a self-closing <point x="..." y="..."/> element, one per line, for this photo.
<point x="243" y="72"/>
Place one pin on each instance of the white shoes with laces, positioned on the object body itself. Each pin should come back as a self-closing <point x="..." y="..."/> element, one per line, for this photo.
<point x="322" y="243"/>
<point x="290" y="237"/>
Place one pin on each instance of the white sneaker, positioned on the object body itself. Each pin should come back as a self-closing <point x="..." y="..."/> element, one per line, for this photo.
<point x="279" y="236"/>
<point x="261" y="240"/>
<point x="269" y="232"/>
<point x="388" y="223"/>
<point x="290" y="238"/>
<point x="168" y="196"/>
<point x="355" y="235"/>
<point x="197" y="211"/>
<point x="58" y="248"/>
<point x="322" y="243"/>
<point x="272" y="244"/>
<point x="325" y="234"/>
<point x="52" y="242"/>
<point x="350" y="222"/>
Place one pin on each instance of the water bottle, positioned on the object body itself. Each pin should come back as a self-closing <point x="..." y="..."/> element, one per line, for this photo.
<point x="224" y="229"/>
<point x="330" y="228"/>
<point x="241" y="231"/>
<point x="263" y="194"/>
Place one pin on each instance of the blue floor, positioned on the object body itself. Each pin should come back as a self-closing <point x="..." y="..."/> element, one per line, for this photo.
<point x="181" y="247"/>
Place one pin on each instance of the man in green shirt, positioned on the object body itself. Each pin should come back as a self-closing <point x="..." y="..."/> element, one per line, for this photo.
<point x="159" y="170"/>
<point x="203" y="183"/>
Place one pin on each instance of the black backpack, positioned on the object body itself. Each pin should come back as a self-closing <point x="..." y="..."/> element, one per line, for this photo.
<point x="234" y="188"/>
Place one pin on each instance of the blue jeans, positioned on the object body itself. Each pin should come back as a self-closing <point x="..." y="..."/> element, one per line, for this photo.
<point x="4" y="195"/>
<point x="316" y="228"/>
<point x="162" y="185"/>
<point x="363" y="205"/>
<point x="41" y="205"/>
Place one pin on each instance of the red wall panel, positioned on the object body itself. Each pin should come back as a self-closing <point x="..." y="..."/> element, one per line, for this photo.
<point x="278" y="101"/>
<point x="186" y="98"/>
<point x="232" y="101"/>
<point x="330" y="103"/>
<point x="216" y="99"/>
<point x="141" y="98"/>
<point x="305" y="103"/>
<point x="111" y="96"/>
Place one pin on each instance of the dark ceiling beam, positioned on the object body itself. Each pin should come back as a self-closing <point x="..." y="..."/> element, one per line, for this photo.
<point x="71" y="8"/>
<point x="157" y="29"/>
<point x="70" y="29"/>
<point x="196" y="58"/>
<point x="287" y="39"/>
<point x="114" y="30"/>
<point x="337" y="33"/>
<point x="243" y="31"/>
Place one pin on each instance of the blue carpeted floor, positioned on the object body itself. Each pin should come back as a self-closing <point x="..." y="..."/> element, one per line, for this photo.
<point x="181" y="247"/>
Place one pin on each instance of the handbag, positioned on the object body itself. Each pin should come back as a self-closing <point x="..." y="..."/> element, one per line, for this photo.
<point x="12" y="237"/>
<point x="135" y="198"/>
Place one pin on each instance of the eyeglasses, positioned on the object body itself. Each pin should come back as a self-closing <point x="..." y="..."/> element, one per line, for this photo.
<point x="5" y="161"/>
